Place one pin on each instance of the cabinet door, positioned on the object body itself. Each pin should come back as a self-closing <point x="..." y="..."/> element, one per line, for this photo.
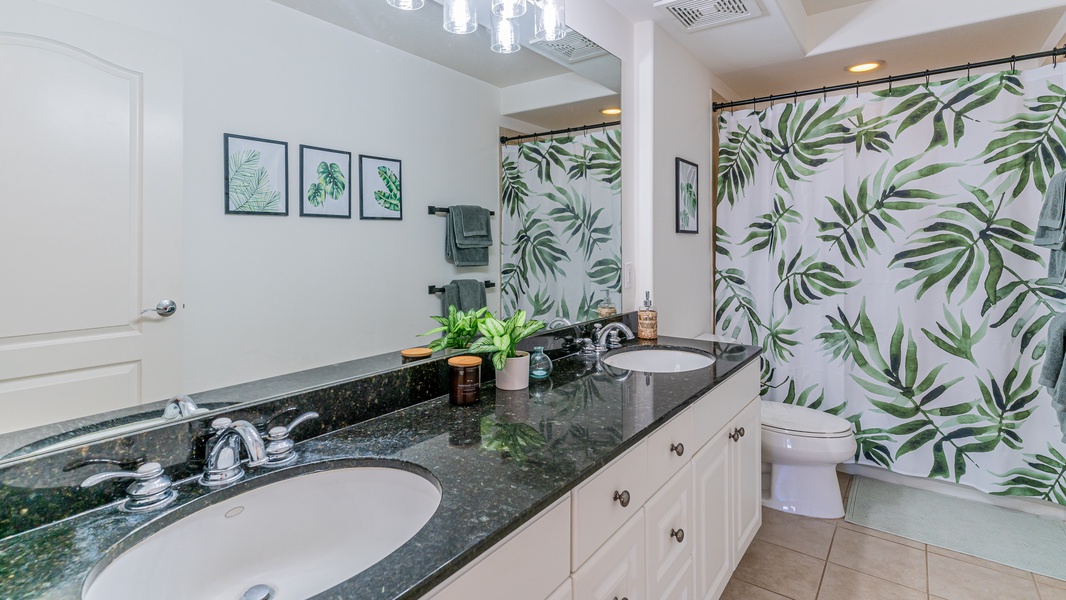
<point x="747" y="478"/>
<point x="616" y="570"/>
<point x="712" y="539"/>
<point x="683" y="587"/>
<point x="597" y="503"/>
<point x="565" y="591"/>
<point x="668" y="516"/>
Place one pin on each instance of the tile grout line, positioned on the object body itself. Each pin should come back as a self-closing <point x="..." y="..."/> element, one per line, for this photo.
<point x="925" y="552"/>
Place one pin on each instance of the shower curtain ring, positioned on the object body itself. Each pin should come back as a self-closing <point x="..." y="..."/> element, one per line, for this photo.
<point x="795" y="97"/>
<point x="1054" y="60"/>
<point x="967" y="71"/>
<point x="856" y="89"/>
<point x="927" y="77"/>
<point x="1013" y="63"/>
<point x="825" y="97"/>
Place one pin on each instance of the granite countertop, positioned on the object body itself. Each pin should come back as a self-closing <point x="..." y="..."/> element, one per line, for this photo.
<point x="498" y="462"/>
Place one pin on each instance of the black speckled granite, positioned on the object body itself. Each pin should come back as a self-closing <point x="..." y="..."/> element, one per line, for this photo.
<point x="498" y="463"/>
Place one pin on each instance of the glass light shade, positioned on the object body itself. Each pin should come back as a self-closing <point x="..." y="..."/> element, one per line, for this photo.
<point x="549" y="20"/>
<point x="509" y="9"/>
<point x="504" y="35"/>
<point x="460" y="16"/>
<point x="407" y="4"/>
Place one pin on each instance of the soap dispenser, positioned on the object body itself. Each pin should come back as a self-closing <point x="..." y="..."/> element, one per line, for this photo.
<point x="647" y="320"/>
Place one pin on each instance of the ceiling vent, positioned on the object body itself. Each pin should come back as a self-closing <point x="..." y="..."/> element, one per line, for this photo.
<point x="572" y="48"/>
<point x="701" y="14"/>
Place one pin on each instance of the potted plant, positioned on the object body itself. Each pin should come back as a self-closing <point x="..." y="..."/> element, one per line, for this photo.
<point x="459" y="328"/>
<point x="500" y="340"/>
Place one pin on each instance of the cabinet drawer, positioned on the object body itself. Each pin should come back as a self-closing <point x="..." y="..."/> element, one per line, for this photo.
<point x="670" y="524"/>
<point x="565" y="591"/>
<point x="684" y="587"/>
<point x="617" y="569"/>
<point x="664" y="447"/>
<point x="530" y="565"/>
<point x="714" y="411"/>
<point x="596" y="512"/>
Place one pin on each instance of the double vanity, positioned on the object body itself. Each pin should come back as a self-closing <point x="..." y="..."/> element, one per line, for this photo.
<point x="635" y="474"/>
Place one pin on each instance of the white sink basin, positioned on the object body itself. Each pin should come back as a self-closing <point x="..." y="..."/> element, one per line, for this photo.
<point x="300" y="536"/>
<point x="659" y="360"/>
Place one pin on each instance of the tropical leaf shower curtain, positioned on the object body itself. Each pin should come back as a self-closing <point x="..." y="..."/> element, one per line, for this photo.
<point x="879" y="248"/>
<point x="562" y="225"/>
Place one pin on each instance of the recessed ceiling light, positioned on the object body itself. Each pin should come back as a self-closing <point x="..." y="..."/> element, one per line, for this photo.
<point x="866" y="66"/>
<point x="611" y="111"/>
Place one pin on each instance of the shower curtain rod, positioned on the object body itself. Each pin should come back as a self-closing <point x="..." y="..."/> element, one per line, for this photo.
<point x="504" y="140"/>
<point x="1053" y="53"/>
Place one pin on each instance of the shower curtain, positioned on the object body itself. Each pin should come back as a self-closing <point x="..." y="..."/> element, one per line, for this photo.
<point x="562" y="225"/>
<point x="879" y="247"/>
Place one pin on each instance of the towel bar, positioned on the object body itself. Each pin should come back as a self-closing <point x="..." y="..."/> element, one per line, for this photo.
<point x="439" y="290"/>
<point x="443" y="209"/>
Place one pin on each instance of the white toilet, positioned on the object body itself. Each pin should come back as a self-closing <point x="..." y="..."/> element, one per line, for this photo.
<point x="802" y="448"/>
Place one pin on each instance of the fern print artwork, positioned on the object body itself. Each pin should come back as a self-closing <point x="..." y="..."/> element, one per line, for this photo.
<point x="381" y="193"/>
<point x="324" y="176"/>
<point x="255" y="175"/>
<point x="880" y="250"/>
<point x="561" y="226"/>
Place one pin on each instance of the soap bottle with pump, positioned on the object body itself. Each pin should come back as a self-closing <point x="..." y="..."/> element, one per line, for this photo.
<point x="647" y="320"/>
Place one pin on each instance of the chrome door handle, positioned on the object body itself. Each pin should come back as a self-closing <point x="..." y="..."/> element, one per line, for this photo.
<point x="165" y="308"/>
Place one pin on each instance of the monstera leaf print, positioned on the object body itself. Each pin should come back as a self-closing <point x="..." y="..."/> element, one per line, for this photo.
<point x="250" y="189"/>
<point x="389" y="199"/>
<point x="316" y="194"/>
<point x="331" y="178"/>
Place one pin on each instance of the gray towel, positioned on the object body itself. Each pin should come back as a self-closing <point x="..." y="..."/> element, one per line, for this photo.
<point x="1051" y="227"/>
<point x="1050" y="373"/>
<point x="474" y="221"/>
<point x="471" y="294"/>
<point x="1052" y="213"/>
<point x="449" y="298"/>
<point x="1056" y="267"/>
<point x="461" y="249"/>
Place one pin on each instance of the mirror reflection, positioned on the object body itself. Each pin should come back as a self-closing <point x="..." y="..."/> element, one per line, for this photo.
<point x="258" y="297"/>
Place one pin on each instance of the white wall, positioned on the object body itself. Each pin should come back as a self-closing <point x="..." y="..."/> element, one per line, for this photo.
<point x="680" y="94"/>
<point x="271" y="295"/>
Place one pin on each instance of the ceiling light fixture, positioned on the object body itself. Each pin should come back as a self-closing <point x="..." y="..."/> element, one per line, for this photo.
<point x="460" y="16"/>
<point x="866" y="66"/>
<point x="407" y="4"/>
<point x="611" y="111"/>
<point x="504" y="35"/>
<point x="549" y="20"/>
<point x="509" y="9"/>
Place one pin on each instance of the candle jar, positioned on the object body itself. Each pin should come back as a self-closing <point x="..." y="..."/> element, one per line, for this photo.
<point x="465" y="379"/>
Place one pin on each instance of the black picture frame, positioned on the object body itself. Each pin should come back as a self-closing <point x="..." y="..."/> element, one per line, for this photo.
<point x="232" y="190"/>
<point x="687" y="214"/>
<point x="369" y="208"/>
<point x="328" y="206"/>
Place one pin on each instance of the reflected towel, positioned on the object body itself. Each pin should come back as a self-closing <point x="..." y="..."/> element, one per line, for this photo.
<point x="471" y="294"/>
<point x="463" y="250"/>
<point x="474" y="221"/>
<point x="1050" y="373"/>
<point x="450" y="297"/>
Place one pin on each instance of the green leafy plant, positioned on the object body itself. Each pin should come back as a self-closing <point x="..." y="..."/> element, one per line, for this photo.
<point x="501" y="337"/>
<point x="459" y="328"/>
<point x="389" y="199"/>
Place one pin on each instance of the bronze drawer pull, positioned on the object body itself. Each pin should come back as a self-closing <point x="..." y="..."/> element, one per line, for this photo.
<point x="678" y="448"/>
<point x="622" y="498"/>
<point x="678" y="534"/>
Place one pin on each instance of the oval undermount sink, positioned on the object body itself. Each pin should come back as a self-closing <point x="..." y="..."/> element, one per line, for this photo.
<point x="658" y="360"/>
<point x="298" y="537"/>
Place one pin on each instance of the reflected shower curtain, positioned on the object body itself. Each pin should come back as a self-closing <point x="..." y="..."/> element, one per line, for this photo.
<point x="879" y="248"/>
<point x="562" y="226"/>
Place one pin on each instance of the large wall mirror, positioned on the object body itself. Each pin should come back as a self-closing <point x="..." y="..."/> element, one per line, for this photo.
<point x="263" y="296"/>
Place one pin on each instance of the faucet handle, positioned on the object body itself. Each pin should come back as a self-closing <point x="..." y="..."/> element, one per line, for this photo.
<point x="280" y="448"/>
<point x="151" y="488"/>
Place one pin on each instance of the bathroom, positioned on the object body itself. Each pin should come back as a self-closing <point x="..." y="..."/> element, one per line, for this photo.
<point x="259" y="297"/>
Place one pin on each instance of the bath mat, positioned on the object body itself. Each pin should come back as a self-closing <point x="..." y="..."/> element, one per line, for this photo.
<point x="1008" y="537"/>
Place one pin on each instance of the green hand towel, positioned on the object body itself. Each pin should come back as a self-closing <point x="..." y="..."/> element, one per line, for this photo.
<point x="471" y="294"/>
<point x="460" y="256"/>
<point x="449" y="298"/>
<point x="477" y="219"/>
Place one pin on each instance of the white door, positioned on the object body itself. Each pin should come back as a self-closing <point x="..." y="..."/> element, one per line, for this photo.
<point x="90" y="215"/>
<point x="747" y="477"/>
<point x="713" y="551"/>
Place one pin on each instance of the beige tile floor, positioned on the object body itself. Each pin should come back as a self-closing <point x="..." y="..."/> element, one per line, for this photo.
<point x="799" y="558"/>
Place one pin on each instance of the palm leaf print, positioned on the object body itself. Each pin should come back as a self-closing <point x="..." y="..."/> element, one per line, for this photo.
<point x="1044" y="477"/>
<point x="250" y="189"/>
<point x="806" y="138"/>
<point x="1034" y="144"/>
<point x="877" y="197"/>
<point x="536" y="250"/>
<point x="578" y="219"/>
<point x="389" y="199"/>
<point x="809" y="280"/>
<point x="1006" y="406"/>
<point x="604" y="158"/>
<point x="771" y="228"/>
<point x="515" y="189"/>
<point x="546" y="155"/>
<point x="735" y="308"/>
<point x="738" y="157"/>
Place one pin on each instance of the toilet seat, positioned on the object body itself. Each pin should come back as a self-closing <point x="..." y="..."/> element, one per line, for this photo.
<point x="800" y="421"/>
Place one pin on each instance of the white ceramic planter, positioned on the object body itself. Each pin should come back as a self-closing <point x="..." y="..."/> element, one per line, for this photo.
<point x="515" y="374"/>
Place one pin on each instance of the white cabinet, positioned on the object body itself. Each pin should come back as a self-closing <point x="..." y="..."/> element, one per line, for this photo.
<point x="684" y="586"/>
<point x="565" y="591"/>
<point x="606" y="500"/>
<point x="616" y="570"/>
<point x="669" y="524"/>
<point x="529" y="565"/>
<point x="713" y="543"/>
<point x="746" y="478"/>
<point x="670" y="448"/>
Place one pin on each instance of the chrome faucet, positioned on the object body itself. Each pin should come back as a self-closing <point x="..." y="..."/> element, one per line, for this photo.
<point x="223" y="454"/>
<point x="181" y="406"/>
<point x="558" y="321"/>
<point x="607" y="337"/>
